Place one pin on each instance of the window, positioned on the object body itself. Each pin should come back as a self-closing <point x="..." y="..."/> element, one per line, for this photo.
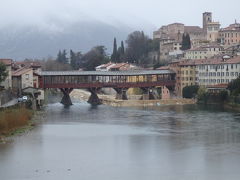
<point x="27" y="76"/>
<point x="222" y="73"/>
<point x="232" y="73"/>
<point x="236" y="73"/>
<point x="218" y="74"/>
<point x="227" y="73"/>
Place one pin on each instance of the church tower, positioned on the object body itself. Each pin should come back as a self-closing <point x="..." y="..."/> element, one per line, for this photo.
<point x="207" y="18"/>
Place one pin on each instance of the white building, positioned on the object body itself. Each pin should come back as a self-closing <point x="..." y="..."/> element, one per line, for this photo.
<point x="22" y="78"/>
<point x="203" y="52"/>
<point x="105" y="67"/>
<point x="217" y="71"/>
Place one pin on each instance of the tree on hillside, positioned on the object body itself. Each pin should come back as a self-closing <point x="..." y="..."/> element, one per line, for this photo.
<point x="186" y="42"/>
<point x="3" y="72"/>
<point x="75" y="59"/>
<point x="122" y="48"/>
<point x="115" y="54"/>
<point x="137" y="47"/>
<point x="62" y="57"/>
<point x="53" y="65"/>
<point x="94" y="58"/>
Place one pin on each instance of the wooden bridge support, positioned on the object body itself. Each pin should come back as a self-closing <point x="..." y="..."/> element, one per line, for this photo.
<point x="148" y="94"/>
<point x="121" y="93"/>
<point x="94" y="99"/>
<point x="66" y="100"/>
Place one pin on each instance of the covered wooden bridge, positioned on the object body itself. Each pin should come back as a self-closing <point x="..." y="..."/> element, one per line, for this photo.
<point x="120" y="81"/>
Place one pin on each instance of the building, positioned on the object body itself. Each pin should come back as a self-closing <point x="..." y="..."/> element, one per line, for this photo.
<point x="207" y="18"/>
<point x="188" y="74"/>
<point x="170" y="49"/>
<point x="22" y="78"/>
<point x="230" y="35"/>
<point x="105" y="67"/>
<point x="7" y="83"/>
<point x="204" y="52"/>
<point x="217" y="71"/>
<point x="213" y="29"/>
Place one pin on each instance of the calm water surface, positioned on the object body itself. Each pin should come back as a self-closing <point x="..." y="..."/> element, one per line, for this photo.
<point x="108" y="143"/>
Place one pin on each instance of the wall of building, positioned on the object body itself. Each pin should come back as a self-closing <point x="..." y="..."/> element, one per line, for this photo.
<point x="27" y="79"/>
<point x="212" y="74"/>
<point x="188" y="76"/>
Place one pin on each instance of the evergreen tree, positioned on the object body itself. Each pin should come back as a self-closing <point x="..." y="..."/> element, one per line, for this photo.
<point x="73" y="60"/>
<point x="3" y="72"/>
<point x="59" y="56"/>
<point x="114" y="56"/>
<point x="122" y="48"/>
<point x="186" y="42"/>
<point x="62" y="57"/>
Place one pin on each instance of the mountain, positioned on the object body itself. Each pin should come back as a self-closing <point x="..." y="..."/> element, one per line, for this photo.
<point x="20" y="42"/>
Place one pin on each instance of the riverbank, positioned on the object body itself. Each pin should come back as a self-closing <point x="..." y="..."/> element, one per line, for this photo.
<point x="14" y="120"/>
<point x="133" y="100"/>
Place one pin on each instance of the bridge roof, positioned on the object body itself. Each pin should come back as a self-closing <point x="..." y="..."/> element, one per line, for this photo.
<point x="108" y="73"/>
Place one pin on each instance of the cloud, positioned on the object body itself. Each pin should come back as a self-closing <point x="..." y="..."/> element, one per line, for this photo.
<point x="139" y="13"/>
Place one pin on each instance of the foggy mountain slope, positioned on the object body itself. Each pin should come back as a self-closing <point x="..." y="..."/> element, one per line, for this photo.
<point x="34" y="42"/>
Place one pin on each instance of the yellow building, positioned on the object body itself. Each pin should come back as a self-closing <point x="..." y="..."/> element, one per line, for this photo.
<point x="188" y="73"/>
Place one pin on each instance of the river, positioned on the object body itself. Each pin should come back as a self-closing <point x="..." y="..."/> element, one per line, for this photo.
<point x="82" y="142"/>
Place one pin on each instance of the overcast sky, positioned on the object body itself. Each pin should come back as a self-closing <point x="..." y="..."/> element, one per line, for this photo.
<point x="137" y="13"/>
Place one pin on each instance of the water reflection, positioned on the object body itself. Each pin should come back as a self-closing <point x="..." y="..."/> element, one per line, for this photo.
<point x="101" y="142"/>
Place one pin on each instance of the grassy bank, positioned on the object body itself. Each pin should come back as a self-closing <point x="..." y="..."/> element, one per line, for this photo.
<point x="11" y="119"/>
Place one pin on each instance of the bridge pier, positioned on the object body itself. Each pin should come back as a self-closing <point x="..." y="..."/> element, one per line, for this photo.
<point x="121" y="93"/>
<point x="148" y="93"/>
<point x="94" y="99"/>
<point x="66" y="100"/>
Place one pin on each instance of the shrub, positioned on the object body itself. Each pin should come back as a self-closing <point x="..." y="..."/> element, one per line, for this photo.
<point x="190" y="91"/>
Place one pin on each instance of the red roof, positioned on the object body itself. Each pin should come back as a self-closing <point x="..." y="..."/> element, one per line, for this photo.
<point x="216" y="61"/>
<point x="163" y="68"/>
<point x="224" y="86"/>
<point x="119" y="65"/>
<point x="29" y="64"/>
<point x="19" y="72"/>
<point x="6" y="61"/>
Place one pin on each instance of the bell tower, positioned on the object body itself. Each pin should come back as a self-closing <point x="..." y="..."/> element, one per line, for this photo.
<point x="207" y="18"/>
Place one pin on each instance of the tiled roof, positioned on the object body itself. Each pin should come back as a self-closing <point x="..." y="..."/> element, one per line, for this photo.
<point x="105" y="65"/>
<point x="29" y="64"/>
<point x="163" y="68"/>
<point x="232" y="27"/>
<point x="216" y="61"/>
<point x="19" y="72"/>
<point x="197" y="49"/>
<point x="224" y="86"/>
<point x="6" y="61"/>
<point x="193" y="29"/>
<point x="118" y="65"/>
